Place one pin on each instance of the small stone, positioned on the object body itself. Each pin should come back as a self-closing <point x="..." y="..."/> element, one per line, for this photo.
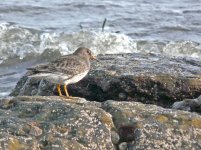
<point x="182" y="105"/>
<point x="115" y="137"/>
<point x="36" y="131"/>
<point x="188" y="105"/>
<point x="7" y="103"/>
<point x="122" y="96"/>
<point x="123" y="146"/>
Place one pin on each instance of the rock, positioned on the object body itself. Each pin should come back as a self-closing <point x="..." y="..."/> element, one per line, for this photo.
<point x="143" y="126"/>
<point x="148" y="78"/>
<point x="115" y="137"/>
<point x="123" y="146"/>
<point x="193" y="105"/>
<point x="54" y="123"/>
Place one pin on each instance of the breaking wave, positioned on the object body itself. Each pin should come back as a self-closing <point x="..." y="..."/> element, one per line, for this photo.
<point x="20" y="42"/>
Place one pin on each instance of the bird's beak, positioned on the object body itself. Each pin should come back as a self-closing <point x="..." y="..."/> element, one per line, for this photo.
<point x="93" y="57"/>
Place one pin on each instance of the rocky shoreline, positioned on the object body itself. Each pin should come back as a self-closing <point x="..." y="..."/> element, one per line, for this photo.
<point x="127" y="104"/>
<point x="52" y="122"/>
<point x="146" y="78"/>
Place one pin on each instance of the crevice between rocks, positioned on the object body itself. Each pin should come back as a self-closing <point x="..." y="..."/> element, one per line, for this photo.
<point x="123" y="137"/>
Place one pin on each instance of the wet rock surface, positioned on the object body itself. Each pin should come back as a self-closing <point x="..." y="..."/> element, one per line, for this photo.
<point x="146" y="78"/>
<point x="51" y="122"/>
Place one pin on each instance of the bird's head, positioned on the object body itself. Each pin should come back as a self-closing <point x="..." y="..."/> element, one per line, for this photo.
<point x="85" y="52"/>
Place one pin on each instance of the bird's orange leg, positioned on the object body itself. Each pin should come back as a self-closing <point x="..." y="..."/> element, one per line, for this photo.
<point x="59" y="89"/>
<point x="67" y="95"/>
<point x="65" y="90"/>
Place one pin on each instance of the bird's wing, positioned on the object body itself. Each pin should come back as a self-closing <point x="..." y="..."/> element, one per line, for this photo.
<point x="64" y="65"/>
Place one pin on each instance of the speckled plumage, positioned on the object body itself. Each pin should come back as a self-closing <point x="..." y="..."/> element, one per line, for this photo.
<point x="67" y="69"/>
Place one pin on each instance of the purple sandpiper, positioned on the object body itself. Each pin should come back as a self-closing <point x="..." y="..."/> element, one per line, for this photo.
<point x="66" y="70"/>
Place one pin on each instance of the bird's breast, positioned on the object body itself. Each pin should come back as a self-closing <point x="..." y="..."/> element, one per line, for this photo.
<point x="76" y="78"/>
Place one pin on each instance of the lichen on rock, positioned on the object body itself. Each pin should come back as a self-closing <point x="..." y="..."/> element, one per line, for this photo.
<point x="53" y="122"/>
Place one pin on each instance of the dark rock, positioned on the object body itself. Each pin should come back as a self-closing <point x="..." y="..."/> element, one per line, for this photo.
<point x="126" y="133"/>
<point x="193" y="105"/>
<point x="146" y="78"/>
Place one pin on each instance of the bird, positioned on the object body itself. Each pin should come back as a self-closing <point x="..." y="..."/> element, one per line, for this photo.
<point x="67" y="69"/>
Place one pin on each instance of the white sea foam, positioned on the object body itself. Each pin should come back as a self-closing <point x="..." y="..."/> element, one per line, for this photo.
<point x="183" y="48"/>
<point x="21" y="42"/>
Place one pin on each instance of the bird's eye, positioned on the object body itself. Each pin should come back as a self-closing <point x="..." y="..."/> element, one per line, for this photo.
<point x="88" y="52"/>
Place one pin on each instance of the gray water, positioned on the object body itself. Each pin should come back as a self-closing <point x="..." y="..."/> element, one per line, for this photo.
<point x="33" y="30"/>
<point x="140" y="19"/>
